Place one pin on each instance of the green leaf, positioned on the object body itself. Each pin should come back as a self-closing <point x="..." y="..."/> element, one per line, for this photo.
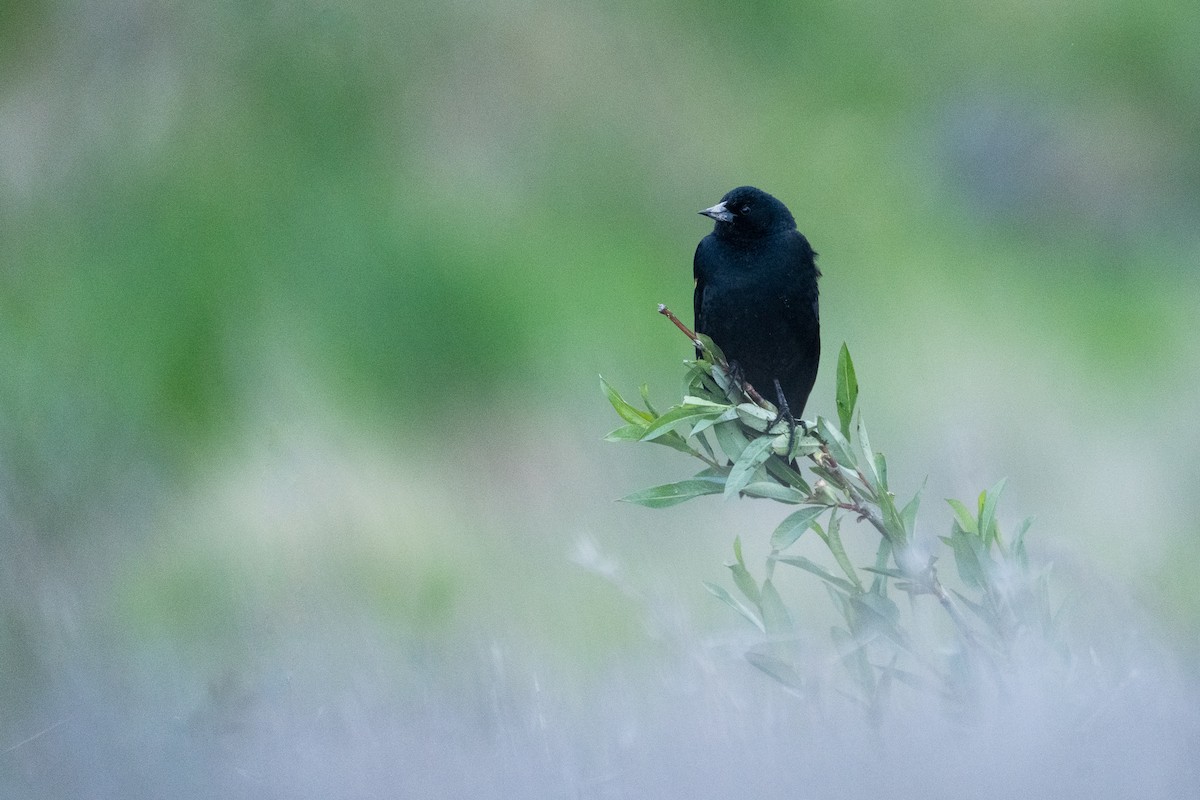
<point x="644" y="390"/>
<point x="833" y="539"/>
<point x="719" y="473"/>
<point x="747" y="464"/>
<point x="839" y="448"/>
<point x="882" y="556"/>
<point x="626" y="411"/>
<point x="678" y="414"/>
<point x="692" y="400"/>
<point x="745" y="582"/>
<point x="759" y="419"/>
<point x="775" y="491"/>
<point x="670" y="494"/>
<point x="730" y="437"/>
<point x="822" y="573"/>
<point x="908" y="514"/>
<point x="777" y="668"/>
<point x="864" y="442"/>
<point x="725" y="597"/>
<point x="879" y="605"/>
<point x="1018" y="545"/>
<point x="966" y="520"/>
<point x="987" y="513"/>
<point x="881" y="470"/>
<point x="626" y="433"/>
<point x="968" y="557"/>
<point x="847" y="390"/>
<point x="784" y="473"/>
<point x="984" y="615"/>
<point x="674" y="441"/>
<point x="775" y="614"/>
<point x="704" y="424"/>
<point x="875" y="615"/>
<point x="891" y="573"/>
<point x="801" y="446"/>
<point x="699" y="382"/>
<point x="711" y="348"/>
<point x="794" y="525"/>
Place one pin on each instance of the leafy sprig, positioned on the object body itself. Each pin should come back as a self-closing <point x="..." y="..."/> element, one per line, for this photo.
<point x="831" y="473"/>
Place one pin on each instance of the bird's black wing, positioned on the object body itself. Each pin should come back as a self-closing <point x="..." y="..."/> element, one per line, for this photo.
<point x="804" y="324"/>
<point x="698" y="322"/>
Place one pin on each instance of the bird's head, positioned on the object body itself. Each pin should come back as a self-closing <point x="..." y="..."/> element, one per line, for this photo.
<point x="746" y="212"/>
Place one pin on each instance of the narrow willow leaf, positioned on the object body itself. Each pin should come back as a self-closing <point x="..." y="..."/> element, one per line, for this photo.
<point x="626" y="411"/>
<point x="722" y="379"/>
<point x="760" y="419"/>
<point x="725" y="597"/>
<point x="966" y="520"/>
<point x="644" y="390"/>
<point x="987" y="513"/>
<point x="626" y="433"/>
<point x="881" y="470"/>
<point x="882" y="556"/>
<point x="745" y="582"/>
<point x="706" y="446"/>
<point x="774" y="613"/>
<point x="802" y="446"/>
<point x="839" y="448"/>
<point x="677" y="415"/>
<point x="699" y="382"/>
<point x="968" y="557"/>
<point x="775" y="491"/>
<point x="793" y="526"/>
<point x="783" y="472"/>
<point x="732" y="440"/>
<point x="713" y="473"/>
<point x="777" y="668"/>
<point x="864" y="442"/>
<point x="674" y="441"/>
<point x="673" y="493"/>
<point x="891" y="517"/>
<point x="984" y="615"/>
<point x="695" y="376"/>
<point x="891" y="573"/>
<point x="833" y="539"/>
<point x="704" y="424"/>
<point x="747" y="464"/>
<point x="908" y="514"/>
<point x="711" y="348"/>
<point x="822" y="573"/>
<point x="878" y="615"/>
<point x="847" y="390"/>
<point x="882" y="606"/>
<point x="1018" y="546"/>
<point x="692" y="400"/>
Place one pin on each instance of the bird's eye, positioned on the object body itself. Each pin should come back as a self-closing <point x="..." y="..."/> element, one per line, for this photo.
<point x="745" y="210"/>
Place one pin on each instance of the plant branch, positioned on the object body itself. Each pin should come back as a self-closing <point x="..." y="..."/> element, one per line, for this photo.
<point x="717" y="358"/>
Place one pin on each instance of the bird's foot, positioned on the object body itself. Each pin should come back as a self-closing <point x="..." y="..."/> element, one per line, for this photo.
<point x="785" y="414"/>
<point x="737" y="380"/>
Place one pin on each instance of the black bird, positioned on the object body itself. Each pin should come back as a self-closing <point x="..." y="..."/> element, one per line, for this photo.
<point x="756" y="296"/>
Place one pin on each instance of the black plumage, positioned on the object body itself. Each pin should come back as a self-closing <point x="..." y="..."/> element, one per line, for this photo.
<point x="756" y="295"/>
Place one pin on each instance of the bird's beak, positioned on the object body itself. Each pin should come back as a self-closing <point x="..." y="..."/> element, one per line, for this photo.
<point x="719" y="213"/>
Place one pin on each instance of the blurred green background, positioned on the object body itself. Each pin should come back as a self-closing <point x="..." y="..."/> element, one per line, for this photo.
<point x="302" y="308"/>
